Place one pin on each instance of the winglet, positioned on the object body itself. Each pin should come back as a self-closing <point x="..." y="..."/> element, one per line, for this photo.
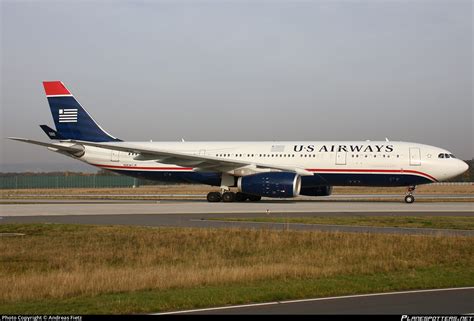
<point x="55" y="88"/>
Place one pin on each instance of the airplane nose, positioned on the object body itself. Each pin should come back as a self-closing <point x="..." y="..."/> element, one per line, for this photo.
<point x="452" y="169"/>
<point x="463" y="166"/>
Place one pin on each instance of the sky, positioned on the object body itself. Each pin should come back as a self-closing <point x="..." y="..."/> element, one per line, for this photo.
<point x="240" y="71"/>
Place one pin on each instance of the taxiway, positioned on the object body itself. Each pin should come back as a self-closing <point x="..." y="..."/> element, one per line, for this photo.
<point x="200" y="214"/>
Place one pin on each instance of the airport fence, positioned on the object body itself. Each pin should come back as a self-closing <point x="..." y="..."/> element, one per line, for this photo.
<point x="70" y="181"/>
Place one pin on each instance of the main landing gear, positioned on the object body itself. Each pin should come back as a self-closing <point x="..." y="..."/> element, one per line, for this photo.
<point x="228" y="196"/>
<point x="409" y="198"/>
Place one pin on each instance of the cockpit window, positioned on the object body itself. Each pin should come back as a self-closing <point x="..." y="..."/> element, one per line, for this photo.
<point x="444" y="155"/>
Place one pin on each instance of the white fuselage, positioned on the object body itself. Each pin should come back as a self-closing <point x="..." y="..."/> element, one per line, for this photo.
<point x="356" y="157"/>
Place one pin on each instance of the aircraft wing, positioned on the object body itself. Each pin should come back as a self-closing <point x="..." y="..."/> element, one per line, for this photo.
<point x="200" y="162"/>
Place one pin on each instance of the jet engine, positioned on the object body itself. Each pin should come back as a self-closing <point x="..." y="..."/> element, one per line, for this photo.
<point x="271" y="184"/>
<point x="316" y="191"/>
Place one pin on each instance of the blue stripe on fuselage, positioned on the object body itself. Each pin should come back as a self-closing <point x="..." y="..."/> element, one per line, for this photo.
<point x="207" y="178"/>
<point x="339" y="179"/>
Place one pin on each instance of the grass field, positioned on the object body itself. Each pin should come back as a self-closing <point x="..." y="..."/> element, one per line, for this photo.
<point x="117" y="269"/>
<point x="435" y="222"/>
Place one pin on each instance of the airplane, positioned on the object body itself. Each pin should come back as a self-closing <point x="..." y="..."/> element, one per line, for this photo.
<point x="275" y="169"/>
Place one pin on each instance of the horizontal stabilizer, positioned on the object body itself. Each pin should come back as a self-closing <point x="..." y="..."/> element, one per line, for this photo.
<point x="72" y="149"/>
<point x="52" y="134"/>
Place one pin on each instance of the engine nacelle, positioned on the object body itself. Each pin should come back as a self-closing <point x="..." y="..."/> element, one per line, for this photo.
<point x="316" y="191"/>
<point x="271" y="184"/>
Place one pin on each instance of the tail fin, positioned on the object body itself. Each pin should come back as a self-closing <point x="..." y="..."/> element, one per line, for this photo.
<point x="71" y="119"/>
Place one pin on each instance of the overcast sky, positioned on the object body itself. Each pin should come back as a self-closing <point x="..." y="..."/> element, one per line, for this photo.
<point x="240" y="70"/>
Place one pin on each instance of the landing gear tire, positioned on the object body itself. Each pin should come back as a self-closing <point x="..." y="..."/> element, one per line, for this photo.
<point x="241" y="197"/>
<point x="214" y="197"/>
<point x="228" y="197"/>
<point x="254" y="198"/>
<point x="409" y="199"/>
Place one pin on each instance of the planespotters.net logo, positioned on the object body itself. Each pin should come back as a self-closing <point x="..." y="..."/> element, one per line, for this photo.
<point x="437" y="318"/>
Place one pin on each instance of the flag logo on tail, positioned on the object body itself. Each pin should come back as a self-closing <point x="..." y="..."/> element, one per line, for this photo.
<point x="68" y="115"/>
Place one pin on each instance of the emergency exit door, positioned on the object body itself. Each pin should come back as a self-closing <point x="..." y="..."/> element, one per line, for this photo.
<point x="114" y="155"/>
<point x="341" y="158"/>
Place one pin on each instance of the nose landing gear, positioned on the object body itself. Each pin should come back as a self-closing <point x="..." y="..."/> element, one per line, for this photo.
<point x="409" y="198"/>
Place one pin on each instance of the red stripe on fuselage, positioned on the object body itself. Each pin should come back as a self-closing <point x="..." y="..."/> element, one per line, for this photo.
<point x="146" y="168"/>
<point x="339" y="170"/>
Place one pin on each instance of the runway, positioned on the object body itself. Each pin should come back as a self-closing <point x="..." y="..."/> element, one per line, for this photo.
<point x="113" y="207"/>
<point x="330" y="198"/>
<point x="431" y="302"/>
<point x="200" y="214"/>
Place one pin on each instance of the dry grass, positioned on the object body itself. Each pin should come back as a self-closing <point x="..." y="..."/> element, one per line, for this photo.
<point x="432" y="222"/>
<point x="142" y="190"/>
<point x="59" y="261"/>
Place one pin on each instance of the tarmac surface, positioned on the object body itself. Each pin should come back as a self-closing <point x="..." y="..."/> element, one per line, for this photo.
<point x="114" y="207"/>
<point x="201" y="214"/>
<point x="430" y="302"/>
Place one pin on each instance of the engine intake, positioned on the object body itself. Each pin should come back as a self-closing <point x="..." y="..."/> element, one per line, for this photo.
<point x="316" y="191"/>
<point x="273" y="184"/>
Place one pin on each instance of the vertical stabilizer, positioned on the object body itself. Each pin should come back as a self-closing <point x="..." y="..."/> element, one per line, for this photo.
<point x="71" y="119"/>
